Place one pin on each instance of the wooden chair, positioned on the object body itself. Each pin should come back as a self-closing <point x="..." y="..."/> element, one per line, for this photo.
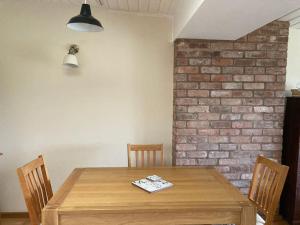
<point x="36" y="188"/>
<point x="266" y="187"/>
<point x="145" y="155"/>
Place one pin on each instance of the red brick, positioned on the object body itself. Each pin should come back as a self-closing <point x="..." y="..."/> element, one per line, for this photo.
<point x="199" y="77"/>
<point x="251" y="132"/>
<point x="263" y="94"/>
<point x="222" y="62"/>
<point x="275" y="86"/>
<point x="233" y="85"/>
<point x="185" y="162"/>
<point x="228" y="147"/>
<point x="220" y="124"/>
<point x="245" y="94"/>
<point x="187" y="85"/>
<point x="220" y="109"/>
<point x="222" y="45"/>
<point x="230" y="132"/>
<point x="245" y="46"/>
<point x="253" y="116"/>
<point x="251" y="147"/>
<point x="265" y="78"/>
<point x="263" y="124"/>
<point x="252" y="101"/>
<point x="266" y="62"/>
<point x="272" y="132"/>
<point x="186" y="147"/>
<point x="186" y="101"/>
<point x="240" y="139"/>
<point x="274" y="101"/>
<point x="186" y="116"/>
<point x="232" y="54"/>
<point x="180" y="93"/>
<point x="200" y="61"/>
<point x="233" y="70"/>
<point x="197" y="154"/>
<point x="209" y="101"/>
<point x="242" y="124"/>
<point x="186" y="131"/>
<point x="257" y="38"/>
<point x="207" y="146"/>
<point x="180" y="124"/>
<point x="244" y="78"/>
<point x="208" y="116"/>
<point x="271" y="147"/>
<point x="276" y="70"/>
<point x="198" y="93"/>
<point x="218" y="139"/>
<point x="244" y="62"/>
<point x="187" y="69"/>
<point x="210" y="69"/>
<point x="228" y="161"/>
<point x="180" y="77"/>
<point x="218" y="154"/>
<point x="254" y="86"/>
<point x="279" y="109"/>
<point x="265" y="109"/>
<point x="221" y="77"/>
<point x="210" y="85"/>
<point x="261" y="139"/>
<point x="193" y="109"/>
<point x="208" y="132"/>
<point x="197" y="124"/>
<point x="276" y="54"/>
<point x="207" y="162"/>
<point x="221" y="94"/>
<point x="267" y="46"/>
<point x="242" y="109"/>
<point x="255" y="54"/>
<point x="254" y="70"/>
<point x="180" y="108"/>
<point x="182" y="61"/>
<point x="231" y="116"/>
<point x="231" y="101"/>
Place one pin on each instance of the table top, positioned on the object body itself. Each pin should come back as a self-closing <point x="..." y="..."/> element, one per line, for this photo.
<point x="110" y="190"/>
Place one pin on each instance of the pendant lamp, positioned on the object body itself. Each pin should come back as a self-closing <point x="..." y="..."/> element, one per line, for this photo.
<point x="85" y="22"/>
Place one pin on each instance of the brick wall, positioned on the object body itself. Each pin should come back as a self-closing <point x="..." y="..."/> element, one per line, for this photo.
<point x="229" y="101"/>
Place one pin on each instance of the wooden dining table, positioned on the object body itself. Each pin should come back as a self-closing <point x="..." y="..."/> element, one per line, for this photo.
<point x="98" y="196"/>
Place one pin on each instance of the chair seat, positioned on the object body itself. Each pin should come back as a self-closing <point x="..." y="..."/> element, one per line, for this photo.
<point x="259" y="220"/>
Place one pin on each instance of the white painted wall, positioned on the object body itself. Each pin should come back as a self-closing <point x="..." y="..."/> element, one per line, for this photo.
<point x="122" y="91"/>
<point x="293" y="60"/>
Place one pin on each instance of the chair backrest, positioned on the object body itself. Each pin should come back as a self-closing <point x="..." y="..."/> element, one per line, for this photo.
<point x="266" y="186"/>
<point x="145" y="155"/>
<point x="36" y="188"/>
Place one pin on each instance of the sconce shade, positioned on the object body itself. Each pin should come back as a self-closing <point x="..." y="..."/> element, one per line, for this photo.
<point x="71" y="60"/>
<point x="85" y="22"/>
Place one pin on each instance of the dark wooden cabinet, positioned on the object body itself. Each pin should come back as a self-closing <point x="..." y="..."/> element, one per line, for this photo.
<point x="290" y="199"/>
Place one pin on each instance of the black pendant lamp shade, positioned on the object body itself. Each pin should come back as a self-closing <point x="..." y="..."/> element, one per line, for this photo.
<point x="85" y="22"/>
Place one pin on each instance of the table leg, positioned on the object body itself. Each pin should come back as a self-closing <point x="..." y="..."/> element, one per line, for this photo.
<point x="248" y="216"/>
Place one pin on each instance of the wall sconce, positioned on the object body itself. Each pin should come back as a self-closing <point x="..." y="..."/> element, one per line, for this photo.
<point x="70" y="59"/>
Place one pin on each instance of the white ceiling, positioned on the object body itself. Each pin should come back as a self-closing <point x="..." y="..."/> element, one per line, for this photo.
<point x="162" y="7"/>
<point x="157" y="7"/>
<point x="294" y="18"/>
<point x="203" y="19"/>
<point x="232" y="19"/>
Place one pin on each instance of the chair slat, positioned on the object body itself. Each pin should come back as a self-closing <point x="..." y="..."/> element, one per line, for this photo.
<point x="146" y="152"/>
<point x="36" y="188"/>
<point x="266" y="186"/>
<point x="143" y="158"/>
